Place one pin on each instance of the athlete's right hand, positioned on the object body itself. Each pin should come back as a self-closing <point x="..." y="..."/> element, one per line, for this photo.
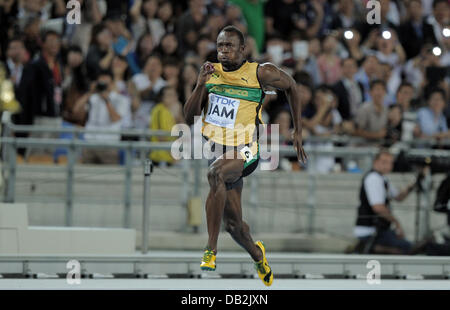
<point x="205" y="73"/>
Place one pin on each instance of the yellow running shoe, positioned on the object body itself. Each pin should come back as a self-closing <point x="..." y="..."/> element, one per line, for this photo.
<point x="264" y="271"/>
<point x="208" y="261"/>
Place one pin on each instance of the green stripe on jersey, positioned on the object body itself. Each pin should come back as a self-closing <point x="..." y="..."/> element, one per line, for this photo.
<point x="246" y="93"/>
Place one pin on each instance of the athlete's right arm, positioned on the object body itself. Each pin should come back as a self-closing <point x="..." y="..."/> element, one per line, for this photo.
<point x="196" y="101"/>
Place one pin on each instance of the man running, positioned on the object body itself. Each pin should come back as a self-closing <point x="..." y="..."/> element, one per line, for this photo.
<point x="230" y="94"/>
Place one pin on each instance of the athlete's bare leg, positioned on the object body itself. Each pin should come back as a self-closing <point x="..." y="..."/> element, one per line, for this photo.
<point x="238" y="229"/>
<point x="221" y="171"/>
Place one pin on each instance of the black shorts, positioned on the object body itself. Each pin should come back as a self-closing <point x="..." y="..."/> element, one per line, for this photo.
<point x="250" y="164"/>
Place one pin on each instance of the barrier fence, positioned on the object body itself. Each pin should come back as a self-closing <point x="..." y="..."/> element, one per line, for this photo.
<point x="10" y="144"/>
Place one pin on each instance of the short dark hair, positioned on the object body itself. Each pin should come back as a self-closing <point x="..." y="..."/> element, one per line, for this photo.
<point x="395" y="106"/>
<point x="105" y="72"/>
<point x="161" y="92"/>
<point x="382" y="151"/>
<point x="48" y="33"/>
<point x="236" y="31"/>
<point x="436" y="2"/>
<point x="377" y="82"/>
<point x="303" y="78"/>
<point x="16" y="38"/>
<point x="404" y="84"/>
<point x="435" y="90"/>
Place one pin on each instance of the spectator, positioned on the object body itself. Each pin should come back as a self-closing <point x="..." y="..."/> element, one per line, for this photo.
<point x="106" y="110"/>
<point x="393" y="80"/>
<point x="386" y="47"/>
<point x="74" y="85"/>
<point x="168" y="47"/>
<point x="305" y="89"/>
<point x="148" y="83"/>
<point x="326" y="121"/>
<point x="345" y="16"/>
<point x="349" y="91"/>
<point x="431" y="122"/>
<point x="375" y="218"/>
<point x="143" y="20"/>
<point x="279" y="18"/>
<point x="122" y="40"/>
<point x="329" y="62"/>
<point x="310" y="63"/>
<point x="204" y="47"/>
<point x="188" y="78"/>
<point x="101" y="52"/>
<point x="371" y="117"/>
<point x="121" y="76"/>
<point x="352" y="44"/>
<point x="40" y="90"/>
<point x="166" y="18"/>
<point x="441" y="203"/>
<point x="171" y="72"/>
<point x="368" y="73"/>
<point x="144" y="48"/>
<point x="415" y="68"/>
<point x="439" y="19"/>
<point x="415" y="32"/>
<point x="233" y="16"/>
<point x="32" y="36"/>
<point x="16" y="59"/>
<point x="190" y="24"/>
<point x="79" y="34"/>
<point x="166" y="114"/>
<point x="404" y="97"/>
<point x="8" y="13"/>
<point x="394" y="127"/>
<point x="326" y="117"/>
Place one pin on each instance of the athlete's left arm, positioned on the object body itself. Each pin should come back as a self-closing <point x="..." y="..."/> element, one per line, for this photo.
<point x="271" y="75"/>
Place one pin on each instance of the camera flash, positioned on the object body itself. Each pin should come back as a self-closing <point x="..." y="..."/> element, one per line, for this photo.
<point x="446" y="32"/>
<point x="437" y="51"/>
<point x="386" y="35"/>
<point x="348" y="34"/>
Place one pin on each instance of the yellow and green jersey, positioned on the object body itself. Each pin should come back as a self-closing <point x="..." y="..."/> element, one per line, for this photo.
<point x="233" y="111"/>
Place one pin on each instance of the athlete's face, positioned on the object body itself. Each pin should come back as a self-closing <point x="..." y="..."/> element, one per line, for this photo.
<point x="229" y="49"/>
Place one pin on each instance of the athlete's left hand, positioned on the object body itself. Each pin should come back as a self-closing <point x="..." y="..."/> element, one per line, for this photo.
<point x="298" y="146"/>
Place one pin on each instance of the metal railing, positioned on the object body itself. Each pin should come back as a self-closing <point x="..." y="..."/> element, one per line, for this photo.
<point x="11" y="144"/>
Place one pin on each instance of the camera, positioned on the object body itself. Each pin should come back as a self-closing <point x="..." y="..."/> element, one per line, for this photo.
<point x="101" y="86"/>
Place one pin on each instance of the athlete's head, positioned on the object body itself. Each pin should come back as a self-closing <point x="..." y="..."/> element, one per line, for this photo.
<point x="230" y="47"/>
<point x="383" y="162"/>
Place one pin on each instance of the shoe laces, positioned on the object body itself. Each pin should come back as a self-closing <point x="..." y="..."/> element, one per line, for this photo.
<point x="207" y="256"/>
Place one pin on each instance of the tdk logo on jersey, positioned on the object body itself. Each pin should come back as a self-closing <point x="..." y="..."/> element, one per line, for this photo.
<point x="223" y="100"/>
<point x="219" y="105"/>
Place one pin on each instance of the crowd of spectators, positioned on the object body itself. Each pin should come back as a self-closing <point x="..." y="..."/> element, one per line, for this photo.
<point x="132" y="64"/>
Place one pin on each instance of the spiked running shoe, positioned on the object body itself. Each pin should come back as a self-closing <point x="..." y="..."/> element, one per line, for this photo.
<point x="208" y="261"/>
<point x="262" y="267"/>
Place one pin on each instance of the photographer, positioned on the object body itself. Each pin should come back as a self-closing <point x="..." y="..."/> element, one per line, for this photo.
<point x="105" y="109"/>
<point x="375" y="218"/>
<point x="442" y="203"/>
